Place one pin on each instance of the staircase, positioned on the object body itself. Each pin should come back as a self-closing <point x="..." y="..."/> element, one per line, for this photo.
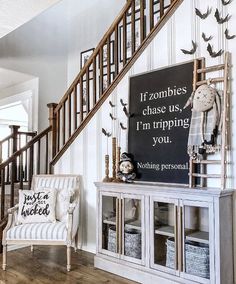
<point x="87" y="93"/>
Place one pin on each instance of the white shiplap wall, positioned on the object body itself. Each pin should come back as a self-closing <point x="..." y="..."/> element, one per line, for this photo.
<point x="86" y="154"/>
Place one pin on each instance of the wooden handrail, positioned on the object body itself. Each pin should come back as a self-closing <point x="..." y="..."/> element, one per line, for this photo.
<point x="127" y="65"/>
<point x="12" y="142"/>
<point x="6" y="138"/>
<point x="26" y="147"/>
<point x="28" y="133"/>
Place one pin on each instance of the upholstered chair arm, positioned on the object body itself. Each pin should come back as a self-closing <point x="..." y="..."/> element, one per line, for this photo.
<point x="12" y="216"/>
<point x="13" y="209"/>
<point x="73" y="221"/>
<point x="11" y="222"/>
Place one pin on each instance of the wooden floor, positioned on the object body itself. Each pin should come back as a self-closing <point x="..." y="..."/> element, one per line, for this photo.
<point x="47" y="265"/>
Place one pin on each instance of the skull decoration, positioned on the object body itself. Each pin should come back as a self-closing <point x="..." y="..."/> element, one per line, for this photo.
<point x="126" y="168"/>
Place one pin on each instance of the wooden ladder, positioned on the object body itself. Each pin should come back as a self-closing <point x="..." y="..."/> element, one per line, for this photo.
<point x="199" y="78"/>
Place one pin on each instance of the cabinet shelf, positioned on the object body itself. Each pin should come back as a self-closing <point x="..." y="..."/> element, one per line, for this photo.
<point x="165" y="231"/>
<point x="129" y="223"/>
<point x="110" y="221"/>
<point x="198" y="236"/>
<point x="136" y="224"/>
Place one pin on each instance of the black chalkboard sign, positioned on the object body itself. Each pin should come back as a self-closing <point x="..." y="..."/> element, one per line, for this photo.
<point x="158" y="126"/>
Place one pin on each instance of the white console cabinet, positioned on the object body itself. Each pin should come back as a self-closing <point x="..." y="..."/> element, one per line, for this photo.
<point x="163" y="234"/>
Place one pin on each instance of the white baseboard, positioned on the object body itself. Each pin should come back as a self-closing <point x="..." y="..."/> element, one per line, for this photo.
<point x="89" y="249"/>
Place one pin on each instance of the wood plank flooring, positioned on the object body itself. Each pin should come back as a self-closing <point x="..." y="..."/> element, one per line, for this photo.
<point x="47" y="265"/>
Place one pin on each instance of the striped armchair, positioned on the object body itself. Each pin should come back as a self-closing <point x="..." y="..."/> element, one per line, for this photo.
<point x="57" y="233"/>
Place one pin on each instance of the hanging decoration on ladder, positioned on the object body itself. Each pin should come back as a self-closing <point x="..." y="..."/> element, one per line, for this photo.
<point x="206" y="120"/>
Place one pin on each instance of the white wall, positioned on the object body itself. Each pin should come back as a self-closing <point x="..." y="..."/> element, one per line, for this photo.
<point x="39" y="48"/>
<point x="86" y="155"/>
<point x="88" y="21"/>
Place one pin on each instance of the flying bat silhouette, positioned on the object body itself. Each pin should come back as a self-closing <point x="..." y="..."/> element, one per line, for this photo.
<point x="203" y="16"/>
<point x="228" y="36"/>
<point x="126" y="112"/>
<point x="226" y="2"/>
<point x="122" y="126"/>
<point x="213" y="53"/>
<point x="112" y="117"/>
<point x="205" y="38"/>
<point x="192" y="51"/>
<point x="111" y="104"/>
<point x="108" y="134"/>
<point x="122" y="103"/>
<point x="219" y="19"/>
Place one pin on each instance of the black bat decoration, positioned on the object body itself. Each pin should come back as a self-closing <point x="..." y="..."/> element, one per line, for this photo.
<point x="228" y="36"/>
<point x="106" y="133"/>
<point x="203" y="16"/>
<point x="226" y="2"/>
<point x="111" y="104"/>
<point x="205" y="38"/>
<point x="219" y="19"/>
<point x="126" y="112"/>
<point x="122" y="126"/>
<point x="192" y="51"/>
<point x="122" y="103"/>
<point x="112" y="117"/>
<point x="213" y="53"/>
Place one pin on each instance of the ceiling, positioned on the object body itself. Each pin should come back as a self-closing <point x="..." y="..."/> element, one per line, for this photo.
<point x="9" y="78"/>
<point x="14" y="13"/>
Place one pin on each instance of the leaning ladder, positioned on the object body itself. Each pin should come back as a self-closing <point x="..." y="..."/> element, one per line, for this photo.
<point x="199" y="78"/>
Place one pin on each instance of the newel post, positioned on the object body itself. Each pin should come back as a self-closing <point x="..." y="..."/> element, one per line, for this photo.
<point x="53" y="124"/>
<point x="14" y="133"/>
<point x="0" y="152"/>
<point x="14" y="148"/>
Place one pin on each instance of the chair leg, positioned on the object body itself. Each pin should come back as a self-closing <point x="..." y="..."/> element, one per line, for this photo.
<point x="68" y="258"/>
<point x="32" y="248"/>
<point x="4" y="257"/>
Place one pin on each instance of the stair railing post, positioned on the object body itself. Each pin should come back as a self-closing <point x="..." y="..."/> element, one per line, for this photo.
<point x="53" y="124"/>
<point x="14" y="148"/>
<point x="0" y="152"/>
<point x="14" y="133"/>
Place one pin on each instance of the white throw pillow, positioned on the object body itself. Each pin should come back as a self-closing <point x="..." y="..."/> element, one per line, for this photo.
<point x="63" y="200"/>
<point x="37" y="207"/>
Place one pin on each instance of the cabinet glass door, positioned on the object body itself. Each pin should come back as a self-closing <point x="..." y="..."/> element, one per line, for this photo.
<point x="133" y="228"/>
<point x="196" y="251"/>
<point x="109" y="212"/>
<point x="164" y="232"/>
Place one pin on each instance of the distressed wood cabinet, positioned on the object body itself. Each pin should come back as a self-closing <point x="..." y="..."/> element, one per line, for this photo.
<point x="164" y="234"/>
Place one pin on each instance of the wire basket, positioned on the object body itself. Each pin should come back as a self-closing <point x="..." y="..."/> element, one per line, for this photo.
<point x="197" y="259"/>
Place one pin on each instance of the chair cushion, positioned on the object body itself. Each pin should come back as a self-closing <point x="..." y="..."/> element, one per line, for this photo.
<point x="36" y="206"/>
<point x="38" y="231"/>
